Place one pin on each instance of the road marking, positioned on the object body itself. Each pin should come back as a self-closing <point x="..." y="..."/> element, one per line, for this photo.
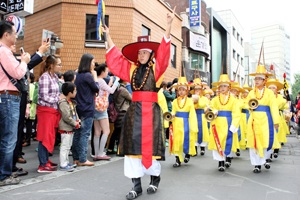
<point x="210" y="197"/>
<point x="262" y="184"/>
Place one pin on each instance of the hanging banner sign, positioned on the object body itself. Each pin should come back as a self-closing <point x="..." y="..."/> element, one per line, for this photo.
<point x="195" y="13"/>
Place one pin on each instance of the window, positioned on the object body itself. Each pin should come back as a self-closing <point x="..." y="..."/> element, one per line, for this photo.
<point x="145" y="30"/>
<point x="234" y="54"/>
<point x="238" y="58"/>
<point x="242" y="61"/>
<point x="197" y="61"/>
<point x="173" y="55"/>
<point x="242" y="41"/>
<point x="91" y="31"/>
<point x="238" y="37"/>
<point x="233" y="31"/>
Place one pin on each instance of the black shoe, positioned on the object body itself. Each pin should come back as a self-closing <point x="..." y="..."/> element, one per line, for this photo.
<point x="202" y="152"/>
<point x="228" y="162"/>
<point x="221" y="167"/>
<point x="177" y="163"/>
<point x="186" y="158"/>
<point x="267" y="165"/>
<point x="136" y="190"/>
<point x="238" y="153"/>
<point x="269" y="160"/>
<point x="133" y="194"/>
<point x="19" y="172"/>
<point x="153" y="186"/>
<point x="257" y="169"/>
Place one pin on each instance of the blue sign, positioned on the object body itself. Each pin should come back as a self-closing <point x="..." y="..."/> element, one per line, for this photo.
<point x="195" y="13"/>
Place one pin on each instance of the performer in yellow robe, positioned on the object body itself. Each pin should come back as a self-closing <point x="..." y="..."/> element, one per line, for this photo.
<point x="238" y="138"/>
<point x="275" y="86"/>
<point x="245" y="109"/>
<point x="262" y="122"/>
<point x="225" y="124"/>
<point x="245" y="115"/>
<point x="200" y="103"/>
<point x="184" y="124"/>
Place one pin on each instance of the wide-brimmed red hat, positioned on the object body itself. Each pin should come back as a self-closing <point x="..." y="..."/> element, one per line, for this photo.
<point x="130" y="51"/>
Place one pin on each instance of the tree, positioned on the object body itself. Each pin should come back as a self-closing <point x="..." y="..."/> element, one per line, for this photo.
<point x="296" y="86"/>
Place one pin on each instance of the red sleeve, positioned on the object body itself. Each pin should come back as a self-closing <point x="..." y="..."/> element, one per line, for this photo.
<point x="118" y="64"/>
<point x="162" y="58"/>
<point x="298" y="105"/>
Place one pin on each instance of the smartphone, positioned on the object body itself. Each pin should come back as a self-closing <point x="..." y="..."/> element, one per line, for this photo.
<point x="22" y="50"/>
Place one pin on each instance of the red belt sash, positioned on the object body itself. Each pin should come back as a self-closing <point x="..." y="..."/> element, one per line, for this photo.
<point x="146" y="98"/>
<point x="217" y="140"/>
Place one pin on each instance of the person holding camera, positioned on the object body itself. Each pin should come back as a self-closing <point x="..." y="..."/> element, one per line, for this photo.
<point x="10" y="99"/>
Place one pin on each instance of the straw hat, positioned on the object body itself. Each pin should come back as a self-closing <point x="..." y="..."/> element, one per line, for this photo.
<point x="261" y="70"/>
<point x="130" y="51"/>
<point x="247" y="87"/>
<point x="182" y="82"/>
<point x="209" y="91"/>
<point x="237" y="87"/>
<point x="224" y="79"/>
<point x="275" y="82"/>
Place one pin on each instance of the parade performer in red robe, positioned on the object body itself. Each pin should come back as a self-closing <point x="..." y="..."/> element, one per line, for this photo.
<point x="142" y="137"/>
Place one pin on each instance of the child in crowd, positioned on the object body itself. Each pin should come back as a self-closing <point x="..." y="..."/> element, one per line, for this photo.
<point x="184" y="124"/>
<point x="69" y="120"/>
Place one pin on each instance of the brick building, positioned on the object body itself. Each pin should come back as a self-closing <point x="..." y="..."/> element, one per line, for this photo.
<point x="74" y="22"/>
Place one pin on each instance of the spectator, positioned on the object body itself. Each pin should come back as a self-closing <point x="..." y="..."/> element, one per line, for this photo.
<point x="87" y="86"/>
<point x="30" y="114"/>
<point x="101" y="122"/>
<point x="68" y="122"/>
<point x="69" y="76"/>
<point x="47" y="112"/>
<point x="122" y="99"/>
<point x="297" y="99"/>
<point x="10" y="100"/>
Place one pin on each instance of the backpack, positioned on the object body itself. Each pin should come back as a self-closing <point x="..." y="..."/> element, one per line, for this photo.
<point x="113" y="111"/>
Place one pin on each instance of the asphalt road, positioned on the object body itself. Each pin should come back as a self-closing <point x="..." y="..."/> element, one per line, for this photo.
<point x="199" y="179"/>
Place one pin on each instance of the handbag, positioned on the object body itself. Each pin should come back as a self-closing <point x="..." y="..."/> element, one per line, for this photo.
<point x="101" y="102"/>
<point x="21" y="85"/>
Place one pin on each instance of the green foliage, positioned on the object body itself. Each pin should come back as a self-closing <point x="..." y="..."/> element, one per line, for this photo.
<point x="296" y="86"/>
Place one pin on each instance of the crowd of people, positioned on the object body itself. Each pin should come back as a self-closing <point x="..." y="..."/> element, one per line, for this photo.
<point x="188" y="117"/>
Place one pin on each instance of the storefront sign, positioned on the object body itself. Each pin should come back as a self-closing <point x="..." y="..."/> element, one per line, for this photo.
<point x="3" y="6"/>
<point x="195" y="13"/>
<point x="199" y="43"/>
<point x="20" y="7"/>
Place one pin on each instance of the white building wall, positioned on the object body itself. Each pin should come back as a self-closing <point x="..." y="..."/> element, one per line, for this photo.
<point x="276" y="45"/>
<point x="237" y="59"/>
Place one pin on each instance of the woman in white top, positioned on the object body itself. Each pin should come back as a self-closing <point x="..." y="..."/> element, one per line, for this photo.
<point x="101" y="122"/>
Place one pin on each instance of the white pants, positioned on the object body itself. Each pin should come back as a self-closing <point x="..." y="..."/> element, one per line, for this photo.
<point x="203" y="144"/>
<point x="133" y="168"/>
<point x="218" y="157"/>
<point x="256" y="159"/>
<point x="65" y="146"/>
